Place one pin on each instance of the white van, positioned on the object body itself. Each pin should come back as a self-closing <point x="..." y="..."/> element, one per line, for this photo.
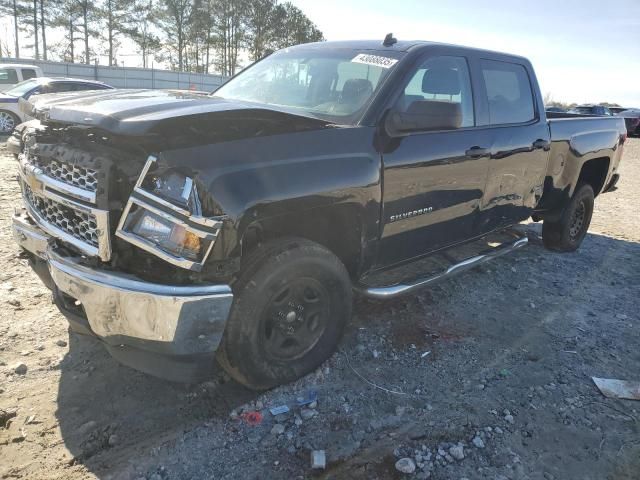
<point x="13" y="73"/>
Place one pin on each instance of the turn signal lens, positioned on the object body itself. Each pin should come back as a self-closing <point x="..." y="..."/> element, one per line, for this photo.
<point x="167" y="235"/>
<point x="185" y="239"/>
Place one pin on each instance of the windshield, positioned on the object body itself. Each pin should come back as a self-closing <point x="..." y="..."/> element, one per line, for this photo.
<point x="22" y="88"/>
<point x="335" y="85"/>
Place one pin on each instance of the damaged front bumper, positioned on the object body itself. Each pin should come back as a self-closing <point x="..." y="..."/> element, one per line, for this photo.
<point x="165" y="330"/>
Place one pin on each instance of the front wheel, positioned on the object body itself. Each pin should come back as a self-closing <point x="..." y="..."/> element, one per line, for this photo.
<point x="8" y="122"/>
<point x="567" y="233"/>
<point x="292" y="302"/>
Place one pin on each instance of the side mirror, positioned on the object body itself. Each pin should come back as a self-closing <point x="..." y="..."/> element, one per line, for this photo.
<point x="424" y="116"/>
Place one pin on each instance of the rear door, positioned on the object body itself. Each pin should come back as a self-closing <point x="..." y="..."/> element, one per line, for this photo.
<point x="519" y="142"/>
<point x="433" y="181"/>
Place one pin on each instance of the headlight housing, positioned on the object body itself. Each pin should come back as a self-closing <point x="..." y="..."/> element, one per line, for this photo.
<point x="163" y="216"/>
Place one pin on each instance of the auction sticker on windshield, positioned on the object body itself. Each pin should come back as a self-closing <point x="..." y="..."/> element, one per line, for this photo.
<point x="376" y="60"/>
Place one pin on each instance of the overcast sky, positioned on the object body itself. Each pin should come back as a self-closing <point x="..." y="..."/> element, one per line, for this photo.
<point x="582" y="50"/>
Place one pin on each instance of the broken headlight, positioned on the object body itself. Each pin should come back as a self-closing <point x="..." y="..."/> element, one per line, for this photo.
<point x="166" y="235"/>
<point x="163" y="216"/>
<point x="175" y="188"/>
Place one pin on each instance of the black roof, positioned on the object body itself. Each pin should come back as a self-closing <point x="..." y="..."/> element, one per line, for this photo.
<point x="399" y="46"/>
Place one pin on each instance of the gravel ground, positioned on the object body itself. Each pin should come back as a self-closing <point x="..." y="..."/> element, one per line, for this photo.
<point x="487" y="375"/>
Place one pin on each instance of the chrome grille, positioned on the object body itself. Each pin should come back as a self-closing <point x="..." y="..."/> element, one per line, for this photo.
<point x="84" y="178"/>
<point x="80" y="225"/>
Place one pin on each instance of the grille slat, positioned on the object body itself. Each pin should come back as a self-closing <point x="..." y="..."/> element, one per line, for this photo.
<point x="81" y="225"/>
<point x="81" y="177"/>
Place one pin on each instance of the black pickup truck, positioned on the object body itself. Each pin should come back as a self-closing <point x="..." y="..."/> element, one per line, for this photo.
<point x="179" y="228"/>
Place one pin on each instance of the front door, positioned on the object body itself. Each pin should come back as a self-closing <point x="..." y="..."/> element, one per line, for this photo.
<point x="433" y="181"/>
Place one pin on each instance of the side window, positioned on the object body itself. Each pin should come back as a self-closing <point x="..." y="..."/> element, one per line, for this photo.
<point x="87" y="86"/>
<point x="508" y="92"/>
<point x="8" y="76"/>
<point x="57" y="87"/>
<point x="28" y="73"/>
<point x="440" y="86"/>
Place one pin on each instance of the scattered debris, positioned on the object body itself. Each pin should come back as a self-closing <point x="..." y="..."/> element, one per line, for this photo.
<point x="406" y="465"/>
<point x="278" y="429"/>
<point x="311" y="397"/>
<point x="318" y="460"/>
<point x="61" y="343"/>
<point x="5" y="417"/>
<point x="369" y="381"/>
<point x="20" y="368"/>
<point x="457" y="452"/>
<point x="279" y="410"/>
<point x="307" y="413"/>
<point x="252" y="418"/>
<point x="478" y="442"/>
<point x="425" y="354"/>
<point x="613" y="388"/>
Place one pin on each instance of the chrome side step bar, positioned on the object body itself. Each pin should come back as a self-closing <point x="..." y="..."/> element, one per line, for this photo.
<point x="404" y="288"/>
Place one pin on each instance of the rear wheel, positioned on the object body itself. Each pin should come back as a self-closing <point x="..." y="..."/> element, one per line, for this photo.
<point x="8" y="122"/>
<point x="567" y="233"/>
<point x="292" y="302"/>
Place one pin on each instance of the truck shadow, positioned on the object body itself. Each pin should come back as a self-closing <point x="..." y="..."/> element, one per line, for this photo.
<point x="107" y="411"/>
<point x="111" y="417"/>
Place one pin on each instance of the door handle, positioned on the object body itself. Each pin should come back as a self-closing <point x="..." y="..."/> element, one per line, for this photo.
<point x="541" y="143"/>
<point x="477" y="152"/>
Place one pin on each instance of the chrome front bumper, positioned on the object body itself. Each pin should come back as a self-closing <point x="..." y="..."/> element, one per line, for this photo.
<point x="123" y="310"/>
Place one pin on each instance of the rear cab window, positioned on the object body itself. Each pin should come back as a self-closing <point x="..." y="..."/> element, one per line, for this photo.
<point x="28" y="73"/>
<point x="509" y="93"/>
<point x="8" y="76"/>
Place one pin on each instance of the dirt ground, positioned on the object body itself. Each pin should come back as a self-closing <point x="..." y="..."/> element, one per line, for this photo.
<point x="505" y="391"/>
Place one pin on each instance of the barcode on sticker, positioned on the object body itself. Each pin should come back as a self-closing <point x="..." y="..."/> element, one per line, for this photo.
<point x="375" y="60"/>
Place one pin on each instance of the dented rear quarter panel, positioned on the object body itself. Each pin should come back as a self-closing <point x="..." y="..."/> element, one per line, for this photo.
<point x="575" y="141"/>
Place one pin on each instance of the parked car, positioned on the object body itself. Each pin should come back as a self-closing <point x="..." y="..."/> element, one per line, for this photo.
<point x="632" y="120"/>
<point x="596" y="110"/>
<point x="177" y="228"/>
<point x="13" y="73"/>
<point x="10" y="114"/>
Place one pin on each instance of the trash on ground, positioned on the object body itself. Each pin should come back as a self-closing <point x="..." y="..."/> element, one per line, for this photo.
<point x="310" y="397"/>
<point x="406" y="465"/>
<point x="252" y="418"/>
<point x="425" y="354"/>
<point x="613" y="388"/>
<point x="318" y="459"/>
<point x="278" y="410"/>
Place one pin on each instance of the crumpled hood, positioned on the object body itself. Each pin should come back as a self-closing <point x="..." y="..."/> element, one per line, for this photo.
<point x="130" y="112"/>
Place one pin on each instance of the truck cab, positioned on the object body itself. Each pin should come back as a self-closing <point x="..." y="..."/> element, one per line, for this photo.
<point x="12" y="74"/>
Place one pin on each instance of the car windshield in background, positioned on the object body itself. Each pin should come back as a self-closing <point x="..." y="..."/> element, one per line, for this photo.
<point x="22" y="88"/>
<point x="334" y="85"/>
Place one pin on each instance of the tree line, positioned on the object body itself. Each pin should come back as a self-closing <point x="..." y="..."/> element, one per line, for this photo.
<point x="189" y="35"/>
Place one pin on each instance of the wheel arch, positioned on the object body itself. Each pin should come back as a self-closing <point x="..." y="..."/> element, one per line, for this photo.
<point x="339" y="228"/>
<point x="594" y="173"/>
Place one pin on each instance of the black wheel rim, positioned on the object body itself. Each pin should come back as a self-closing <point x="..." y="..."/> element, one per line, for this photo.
<point x="295" y="319"/>
<point x="577" y="220"/>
